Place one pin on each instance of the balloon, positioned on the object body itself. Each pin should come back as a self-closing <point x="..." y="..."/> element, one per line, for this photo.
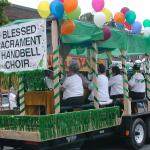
<point x="130" y="17"/>
<point x="119" y="18"/>
<point x="60" y="1"/>
<point x="107" y="32"/>
<point x="70" y="5"/>
<point x="99" y="19"/>
<point x="57" y="9"/>
<point x="75" y="14"/>
<point x="43" y="9"/>
<point x="127" y="25"/>
<point x="147" y="31"/>
<point x="124" y="10"/>
<point x="67" y="27"/>
<point x="108" y="14"/>
<point x="146" y="23"/>
<point x="136" y="27"/>
<point x="98" y="5"/>
<point x="120" y="26"/>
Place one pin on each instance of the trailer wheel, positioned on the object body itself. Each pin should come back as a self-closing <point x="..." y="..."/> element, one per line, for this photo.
<point x="147" y="123"/>
<point x="137" y="134"/>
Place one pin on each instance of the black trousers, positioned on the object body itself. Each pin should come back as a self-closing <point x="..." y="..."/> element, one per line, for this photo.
<point x="116" y="96"/>
<point x="73" y="101"/>
<point x="137" y="95"/>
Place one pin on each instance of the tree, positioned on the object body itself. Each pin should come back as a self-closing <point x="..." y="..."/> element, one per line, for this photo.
<point x="87" y="17"/>
<point x="3" y="18"/>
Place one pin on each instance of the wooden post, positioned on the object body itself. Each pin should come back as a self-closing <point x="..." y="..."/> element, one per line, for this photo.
<point x="62" y="67"/>
<point x="21" y="96"/>
<point x="88" y="61"/>
<point x="95" y="74"/>
<point x="109" y="55"/>
<point x="54" y="30"/>
<point x="127" y="102"/>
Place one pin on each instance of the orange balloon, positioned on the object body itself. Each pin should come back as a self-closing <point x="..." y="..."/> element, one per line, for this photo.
<point x="67" y="27"/>
<point x="70" y="5"/>
<point x="119" y="18"/>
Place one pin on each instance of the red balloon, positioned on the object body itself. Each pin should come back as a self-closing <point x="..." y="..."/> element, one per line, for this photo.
<point x="107" y="32"/>
<point x="124" y="10"/>
<point x="127" y="25"/>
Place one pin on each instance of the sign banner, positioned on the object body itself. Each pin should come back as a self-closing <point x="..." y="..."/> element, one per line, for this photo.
<point x="23" y="47"/>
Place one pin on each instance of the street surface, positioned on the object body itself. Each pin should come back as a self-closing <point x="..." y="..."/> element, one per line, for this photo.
<point x="111" y="144"/>
<point x="101" y="144"/>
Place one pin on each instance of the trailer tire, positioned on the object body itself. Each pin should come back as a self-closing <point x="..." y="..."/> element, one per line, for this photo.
<point x="137" y="134"/>
<point x="147" y="123"/>
<point x="1" y="147"/>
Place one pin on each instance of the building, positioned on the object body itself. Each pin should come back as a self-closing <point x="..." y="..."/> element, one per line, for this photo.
<point x="16" y="12"/>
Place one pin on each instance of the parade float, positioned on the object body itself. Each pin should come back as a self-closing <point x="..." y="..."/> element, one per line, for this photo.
<point x="24" y="58"/>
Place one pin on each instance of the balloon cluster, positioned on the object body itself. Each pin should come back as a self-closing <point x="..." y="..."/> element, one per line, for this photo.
<point x="146" y="24"/>
<point x="101" y="16"/>
<point x="58" y="8"/>
<point x="126" y="19"/>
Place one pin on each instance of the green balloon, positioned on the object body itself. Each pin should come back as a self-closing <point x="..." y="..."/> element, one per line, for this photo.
<point x="130" y="17"/>
<point x="146" y="23"/>
<point x="75" y="14"/>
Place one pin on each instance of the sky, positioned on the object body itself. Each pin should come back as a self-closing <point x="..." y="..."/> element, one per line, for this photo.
<point x="140" y="7"/>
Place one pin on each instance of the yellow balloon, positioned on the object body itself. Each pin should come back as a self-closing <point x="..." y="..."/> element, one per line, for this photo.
<point x="44" y="9"/>
<point x="108" y="14"/>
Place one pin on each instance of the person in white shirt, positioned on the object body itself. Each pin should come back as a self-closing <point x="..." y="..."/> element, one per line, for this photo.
<point x="137" y="84"/>
<point x="116" y="83"/>
<point x="102" y="81"/>
<point x="72" y="87"/>
<point x="49" y="79"/>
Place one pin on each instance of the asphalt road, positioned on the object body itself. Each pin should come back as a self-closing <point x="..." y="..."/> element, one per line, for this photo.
<point x="111" y="144"/>
<point x="101" y="144"/>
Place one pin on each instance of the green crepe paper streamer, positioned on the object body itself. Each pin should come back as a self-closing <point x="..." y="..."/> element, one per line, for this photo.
<point x="33" y="80"/>
<point x="64" y="124"/>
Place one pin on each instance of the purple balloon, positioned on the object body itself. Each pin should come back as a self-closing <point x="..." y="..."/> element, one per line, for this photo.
<point x="136" y="27"/>
<point x="107" y="32"/>
<point x="124" y="10"/>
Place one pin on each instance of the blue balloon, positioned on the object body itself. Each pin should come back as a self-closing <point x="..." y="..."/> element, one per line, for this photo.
<point x="120" y="26"/>
<point x="57" y="9"/>
<point x="136" y="27"/>
<point x="58" y="0"/>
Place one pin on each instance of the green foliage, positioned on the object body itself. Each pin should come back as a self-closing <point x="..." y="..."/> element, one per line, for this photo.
<point x="87" y="17"/>
<point x="3" y="18"/>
